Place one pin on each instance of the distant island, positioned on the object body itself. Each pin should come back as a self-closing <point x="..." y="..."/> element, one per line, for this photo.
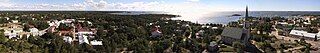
<point x="236" y="15"/>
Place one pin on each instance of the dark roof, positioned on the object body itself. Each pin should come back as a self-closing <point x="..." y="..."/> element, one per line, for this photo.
<point x="232" y="32"/>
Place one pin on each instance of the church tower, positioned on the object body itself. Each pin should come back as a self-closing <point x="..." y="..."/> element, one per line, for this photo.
<point x="245" y="24"/>
<point x="247" y="13"/>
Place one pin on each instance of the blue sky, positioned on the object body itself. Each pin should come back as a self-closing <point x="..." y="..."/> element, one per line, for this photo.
<point x="162" y="5"/>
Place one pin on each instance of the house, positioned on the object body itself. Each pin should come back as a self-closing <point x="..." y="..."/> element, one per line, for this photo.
<point x="51" y="29"/>
<point x="155" y="32"/>
<point x="54" y="23"/>
<point x="231" y="34"/>
<point x="67" y="33"/>
<point x="67" y="39"/>
<point x="213" y="47"/>
<point x="67" y="21"/>
<point x="83" y="30"/>
<point x="11" y="35"/>
<point x="214" y="28"/>
<point x="15" y="21"/>
<point x="200" y="34"/>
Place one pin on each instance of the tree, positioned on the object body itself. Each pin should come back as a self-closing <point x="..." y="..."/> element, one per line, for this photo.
<point x="3" y="20"/>
<point x="238" y="47"/>
<point x="35" y="49"/>
<point x="41" y="25"/>
<point x="87" y="48"/>
<point x="4" y="49"/>
<point x="101" y="33"/>
<point x="316" y="38"/>
<point x="308" y="48"/>
<point x="31" y="39"/>
<point x="3" y="39"/>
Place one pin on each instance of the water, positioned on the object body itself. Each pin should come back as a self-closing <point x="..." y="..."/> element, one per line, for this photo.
<point x="225" y="17"/>
<point x="221" y="17"/>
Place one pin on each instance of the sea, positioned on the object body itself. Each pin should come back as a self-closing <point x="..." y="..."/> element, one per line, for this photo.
<point x="226" y="16"/>
<point x="223" y="17"/>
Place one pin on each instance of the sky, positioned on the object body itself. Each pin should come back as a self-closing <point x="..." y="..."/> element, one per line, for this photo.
<point x="161" y="5"/>
<point x="189" y="9"/>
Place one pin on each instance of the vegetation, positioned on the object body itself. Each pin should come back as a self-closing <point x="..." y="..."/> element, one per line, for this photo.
<point x="119" y="33"/>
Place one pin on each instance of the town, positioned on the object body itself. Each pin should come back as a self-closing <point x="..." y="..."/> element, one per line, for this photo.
<point x="97" y="32"/>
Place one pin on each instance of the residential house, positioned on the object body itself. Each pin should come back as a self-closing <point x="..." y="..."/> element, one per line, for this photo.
<point x="199" y="34"/>
<point x="155" y="32"/>
<point x="51" y="29"/>
<point x="84" y="31"/>
<point x="68" y="39"/>
<point x="67" y="33"/>
<point x="15" y="21"/>
<point x="67" y="21"/>
<point x="213" y="47"/>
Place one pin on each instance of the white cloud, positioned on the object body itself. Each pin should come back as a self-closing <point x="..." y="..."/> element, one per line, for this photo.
<point x="91" y="4"/>
<point x="5" y="3"/>
<point x="189" y="9"/>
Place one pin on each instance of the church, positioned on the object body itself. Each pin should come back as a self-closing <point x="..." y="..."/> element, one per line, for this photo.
<point x="233" y="34"/>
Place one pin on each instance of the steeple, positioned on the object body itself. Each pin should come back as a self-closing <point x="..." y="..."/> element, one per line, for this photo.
<point x="245" y="25"/>
<point x="247" y="13"/>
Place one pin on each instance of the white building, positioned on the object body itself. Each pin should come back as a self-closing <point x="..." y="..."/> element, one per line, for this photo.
<point x="67" y="20"/>
<point x="15" y="21"/>
<point x="84" y="32"/>
<point x="83" y="39"/>
<point x="67" y="39"/>
<point x="95" y="42"/>
<point x="304" y="34"/>
<point x="13" y="31"/>
<point x="34" y="31"/>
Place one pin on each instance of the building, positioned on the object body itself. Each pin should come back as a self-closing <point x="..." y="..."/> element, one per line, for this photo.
<point x="83" y="39"/>
<point x="231" y="34"/>
<point x="305" y="34"/>
<point x="200" y="34"/>
<point x="36" y="32"/>
<point x="15" y="21"/>
<point x="83" y="30"/>
<point x="67" y="39"/>
<point x="95" y="42"/>
<point x="13" y="30"/>
<point x="213" y="47"/>
<point x="67" y="21"/>
<point x="155" y="32"/>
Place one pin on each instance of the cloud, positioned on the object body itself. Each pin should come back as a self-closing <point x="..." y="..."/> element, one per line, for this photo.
<point x="5" y="3"/>
<point x="102" y="5"/>
<point x="190" y="9"/>
<point x="91" y="4"/>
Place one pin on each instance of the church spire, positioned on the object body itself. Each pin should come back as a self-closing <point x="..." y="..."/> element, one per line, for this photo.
<point x="247" y="13"/>
<point x="245" y="25"/>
